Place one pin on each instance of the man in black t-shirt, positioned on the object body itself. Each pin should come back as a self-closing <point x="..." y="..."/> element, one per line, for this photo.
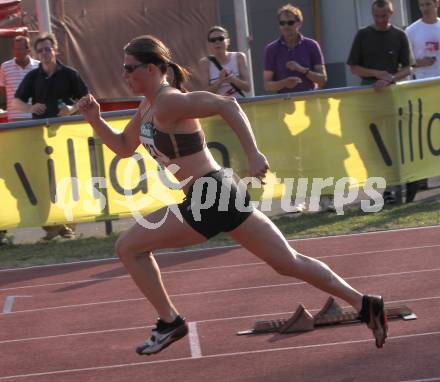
<point x="381" y="53"/>
<point x="52" y="87"/>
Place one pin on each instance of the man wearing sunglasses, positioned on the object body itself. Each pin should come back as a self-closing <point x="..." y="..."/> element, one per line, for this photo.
<point x="293" y="63"/>
<point x="52" y="87"/>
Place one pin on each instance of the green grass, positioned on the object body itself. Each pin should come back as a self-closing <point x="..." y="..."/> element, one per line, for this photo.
<point x="321" y="224"/>
<point x="56" y="252"/>
<point x="418" y="214"/>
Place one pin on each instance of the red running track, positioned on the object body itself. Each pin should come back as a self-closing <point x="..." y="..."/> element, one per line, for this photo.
<point x="82" y="321"/>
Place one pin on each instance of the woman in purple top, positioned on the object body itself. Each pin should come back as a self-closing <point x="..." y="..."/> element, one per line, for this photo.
<point x="293" y="63"/>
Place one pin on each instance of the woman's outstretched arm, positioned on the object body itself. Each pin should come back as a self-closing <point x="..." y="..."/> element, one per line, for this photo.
<point x="122" y="143"/>
<point x="178" y="106"/>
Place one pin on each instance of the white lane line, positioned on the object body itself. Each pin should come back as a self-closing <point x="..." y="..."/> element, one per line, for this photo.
<point x="76" y="334"/>
<point x="116" y="259"/>
<point x="99" y="279"/>
<point x="432" y="227"/>
<point x="218" y="291"/>
<point x="96" y="279"/>
<point x="380" y="251"/>
<point x="9" y="302"/>
<point x="210" y="320"/>
<point x="423" y="380"/>
<point x="85" y="281"/>
<point x="194" y="341"/>
<point x="220" y="355"/>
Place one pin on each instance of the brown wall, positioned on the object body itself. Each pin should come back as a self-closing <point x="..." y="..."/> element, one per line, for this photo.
<point x="92" y="34"/>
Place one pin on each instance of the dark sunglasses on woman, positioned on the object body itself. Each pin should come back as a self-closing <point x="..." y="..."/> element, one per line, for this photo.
<point x="130" y="68"/>
<point x="215" y="39"/>
<point x="289" y="23"/>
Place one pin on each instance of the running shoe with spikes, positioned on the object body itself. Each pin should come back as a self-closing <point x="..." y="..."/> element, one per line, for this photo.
<point x="374" y="315"/>
<point x="163" y="335"/>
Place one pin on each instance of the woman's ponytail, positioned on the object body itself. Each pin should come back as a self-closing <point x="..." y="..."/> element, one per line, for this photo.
<point x="181" y="75"/>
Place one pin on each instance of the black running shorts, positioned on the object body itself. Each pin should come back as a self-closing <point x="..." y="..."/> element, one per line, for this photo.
<point x="215" y="203"/>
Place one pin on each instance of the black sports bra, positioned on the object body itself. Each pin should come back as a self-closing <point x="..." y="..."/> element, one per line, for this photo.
<point x="163" y="145"/>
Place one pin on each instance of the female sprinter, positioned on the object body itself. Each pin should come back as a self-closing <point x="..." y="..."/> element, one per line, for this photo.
<point x="166" y="124"/>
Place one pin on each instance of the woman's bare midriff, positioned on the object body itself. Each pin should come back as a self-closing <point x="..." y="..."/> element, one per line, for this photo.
<point x="194" y="166"/>
<point x="191" y="166"/>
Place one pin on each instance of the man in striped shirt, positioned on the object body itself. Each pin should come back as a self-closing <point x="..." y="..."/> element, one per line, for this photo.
<point x="12" y="73"/>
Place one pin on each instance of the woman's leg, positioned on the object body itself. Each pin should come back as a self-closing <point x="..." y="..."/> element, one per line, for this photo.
<point x="135" y="246"/>
<point x="261" y="237"/>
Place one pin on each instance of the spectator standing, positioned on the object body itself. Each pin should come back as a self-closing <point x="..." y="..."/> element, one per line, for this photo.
<point x="380" y="53"/>
<point x="12" y="73"/>
<point x="224" y="72"/>
<point x="53" y="89"/>
<point x="424" y="36"/>
<point x="293" y="63"/>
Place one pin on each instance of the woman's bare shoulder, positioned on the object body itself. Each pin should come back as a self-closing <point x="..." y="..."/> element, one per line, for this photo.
<point x="175" y="106"/>
<point x="240" y="56"/>
<point x="143" y="106"/>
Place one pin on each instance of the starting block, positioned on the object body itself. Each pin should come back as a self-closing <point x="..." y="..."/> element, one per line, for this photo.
<point x="331" y="314"/>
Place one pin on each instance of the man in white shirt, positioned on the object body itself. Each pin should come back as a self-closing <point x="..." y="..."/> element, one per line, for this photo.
<point x="12" y="73"/>
<point x="424" y="36"/>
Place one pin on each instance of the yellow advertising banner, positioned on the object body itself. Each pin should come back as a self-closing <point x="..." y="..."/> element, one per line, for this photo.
<point x="62" y="173"/>
<point x="58" y="173"/>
